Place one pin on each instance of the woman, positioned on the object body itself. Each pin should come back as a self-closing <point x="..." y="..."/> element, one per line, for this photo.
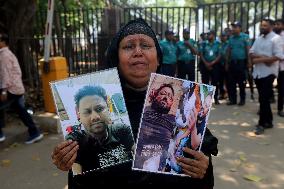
<point x="136" y="53"/>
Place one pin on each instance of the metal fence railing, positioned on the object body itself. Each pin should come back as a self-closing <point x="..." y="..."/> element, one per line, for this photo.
<point x="75" y="36"/>
<point x="217" y="16"/>
<point x="163" y="18"/>
<point x="79" y="34"/>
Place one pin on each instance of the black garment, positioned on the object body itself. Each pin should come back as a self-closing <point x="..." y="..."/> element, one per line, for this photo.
<point x="222" y="80"/>
<point x="75" y="133"/>
<point x="157" y="126"/>
<point x="280" y="83"/>
<point x="237" y="75"/>
<point x="186" y="70"/>
<point x="18" y="104"/>
<point x="122" y="175"/>
<point x="211" y="77"/>
<point x="250" y="81"/>
<point x="203" y="71"/>
<point x="168" y="69"/>
<point x="264" y="86"/>
<point x="115" y="149"/>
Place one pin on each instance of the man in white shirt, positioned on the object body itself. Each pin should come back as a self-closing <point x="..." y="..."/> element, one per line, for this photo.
<point x="265" y="55"/>
<point x="279" y="29"/>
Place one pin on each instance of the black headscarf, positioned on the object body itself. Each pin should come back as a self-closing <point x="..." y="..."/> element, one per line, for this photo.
<point x="137" y="26"/>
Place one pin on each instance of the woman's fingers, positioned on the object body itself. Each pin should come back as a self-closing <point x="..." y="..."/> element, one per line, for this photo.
<point x="196" y="167"/>
<point x="64" y="154"/>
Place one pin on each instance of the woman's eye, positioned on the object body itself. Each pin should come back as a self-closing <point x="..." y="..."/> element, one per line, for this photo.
<point x="146" y="46"/>
<point x="128" y="47"/>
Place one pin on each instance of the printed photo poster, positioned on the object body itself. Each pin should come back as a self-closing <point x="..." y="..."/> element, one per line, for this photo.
<point x="92" y="111"/>
<point x="175" y="115"/>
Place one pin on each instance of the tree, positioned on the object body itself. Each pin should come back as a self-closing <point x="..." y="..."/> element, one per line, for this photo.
<point x="16" y="17"/>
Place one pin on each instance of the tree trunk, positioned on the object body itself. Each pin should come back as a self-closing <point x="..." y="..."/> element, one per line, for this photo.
<point x="16" y="18"/>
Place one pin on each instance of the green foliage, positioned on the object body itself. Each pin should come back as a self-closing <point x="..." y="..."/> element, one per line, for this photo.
<point x="72" y="4"/>
<point x="69" y="14"/>
<point x="168" y="3"/>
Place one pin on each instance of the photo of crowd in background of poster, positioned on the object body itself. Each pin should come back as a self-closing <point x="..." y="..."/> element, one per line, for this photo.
<point x="92" y="111"/>
<point x="175" y="115"/>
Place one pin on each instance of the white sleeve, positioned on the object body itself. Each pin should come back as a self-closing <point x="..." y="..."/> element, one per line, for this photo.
<point x="252" y="49"/>
<point x="277" y="48"/>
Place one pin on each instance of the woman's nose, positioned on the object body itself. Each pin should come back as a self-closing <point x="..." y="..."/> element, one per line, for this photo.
<point x="138" y="51"/>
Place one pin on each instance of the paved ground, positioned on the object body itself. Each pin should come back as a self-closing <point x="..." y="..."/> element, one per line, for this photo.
<point x="30" y="166"/>
<point x="241" y="154"/>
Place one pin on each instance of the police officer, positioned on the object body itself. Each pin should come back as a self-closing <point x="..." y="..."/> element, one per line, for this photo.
<point x="168" y="48"/>
<point x="176" y="39"/>
<point x="223" y="75"/>
<point x="238" y="52"/>
<point x="210" y="56"/>
<point x="228" y="31"/>
<point x="186" y="51"/>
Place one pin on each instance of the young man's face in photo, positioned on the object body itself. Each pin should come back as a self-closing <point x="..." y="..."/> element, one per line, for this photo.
<point x="164" y="100"/>
<point x="94" y="114"/>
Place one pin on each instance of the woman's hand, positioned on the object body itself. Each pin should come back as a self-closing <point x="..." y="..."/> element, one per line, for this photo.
<point x="197" y="167"/>
<point x="64" y="155"/>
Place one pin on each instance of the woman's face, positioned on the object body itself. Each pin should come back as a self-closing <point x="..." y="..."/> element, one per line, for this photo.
<point x="137" y="59"/>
